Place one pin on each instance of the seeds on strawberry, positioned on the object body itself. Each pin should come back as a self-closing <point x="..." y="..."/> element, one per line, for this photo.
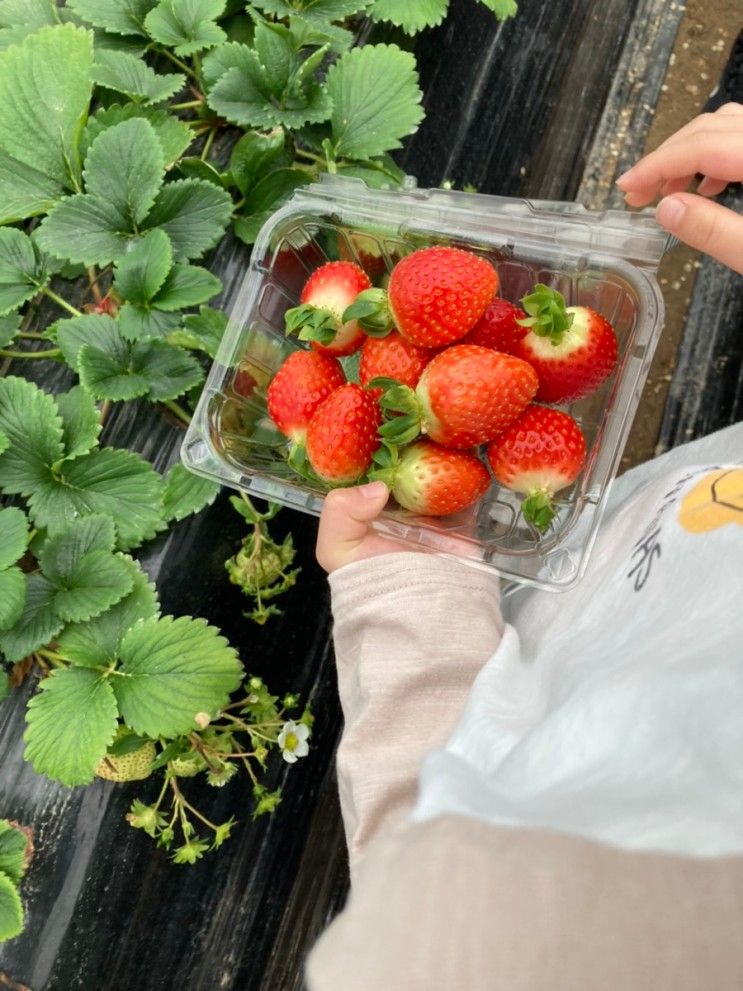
<point x="392" y="357"/>
<point x="134" y="766"/>
<point x="573" y="349"/>
<point x="329" y="291"/>
<point x="436" y="481"/>
<point x="342" y="435"/>
<point x="303" y="383"/>
<point x="540" y="453"/>
<point x="497" y="327"/>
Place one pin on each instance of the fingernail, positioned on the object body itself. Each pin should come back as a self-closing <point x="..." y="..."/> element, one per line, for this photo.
<point x="373" y="490"/>
<point x="622" y="180"/>
<point x="670" y="212"/>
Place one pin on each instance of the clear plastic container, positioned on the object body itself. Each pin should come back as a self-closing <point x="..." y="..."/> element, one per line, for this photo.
<point x="603" y="260"/>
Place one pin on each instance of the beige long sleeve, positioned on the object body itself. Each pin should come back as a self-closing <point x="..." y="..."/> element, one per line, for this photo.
<point x="454" y="904"/>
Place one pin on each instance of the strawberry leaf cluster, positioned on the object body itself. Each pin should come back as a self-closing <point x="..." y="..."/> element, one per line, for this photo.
<point x="15" y="854"/>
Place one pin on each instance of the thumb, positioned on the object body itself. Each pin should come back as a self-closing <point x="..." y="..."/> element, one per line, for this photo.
<point x="704" y="225"/>
<point x="344" y="522"/>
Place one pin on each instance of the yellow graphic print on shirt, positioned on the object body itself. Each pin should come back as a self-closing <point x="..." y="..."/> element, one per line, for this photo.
<point x="715" y="501"/>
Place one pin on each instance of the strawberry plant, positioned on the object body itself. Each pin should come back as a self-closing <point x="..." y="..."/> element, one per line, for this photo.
<point x="134" y="136"/>
<point x="16" y="850"/>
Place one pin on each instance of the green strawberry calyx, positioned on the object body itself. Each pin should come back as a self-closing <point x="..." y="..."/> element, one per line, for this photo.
<point x="401" y="409"/>
<point x="371" y="312"/>
<point x="539" y="509"/>
<point x="547" y="313"/>
<point x="311" y="323"/>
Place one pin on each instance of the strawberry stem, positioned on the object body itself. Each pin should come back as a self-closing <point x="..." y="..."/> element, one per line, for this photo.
<point x="547" y="313"/>
<point x="371" y="312"/>
<point x="539" y="509"/>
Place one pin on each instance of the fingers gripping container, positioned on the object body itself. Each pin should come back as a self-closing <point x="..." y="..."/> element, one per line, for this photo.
<point x="603" y="260"/>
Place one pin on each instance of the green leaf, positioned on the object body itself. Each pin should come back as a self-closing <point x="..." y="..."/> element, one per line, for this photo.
<point x="97" y="642"/>
<point x="4" y="685"/>
<point x="248" y="228"/>
<point x="315" y="11"/>
<point x="10" y="324"/>
<point x="502" y="8"/>
<point x="230" y="55"/>
<point x="63" y="551"/>
<point x="147" y="367"/>
<point x="171" y="670"/>
<point x="22" y="269"/>
<point x="187" y="285"/>
<point x="14" y="845"/>
<point x="86" y="230"/>
<point x="254" y="155"/>
<point x="124" y="167"/>
<point x="24" y="191"/>
<point x="99" y="581"/>
<point x="136" y="322"/>
<point x="80" y="421"/>
<point x="187" y="26"/>
<point x="202" y="331"/>
<point x="13" y="536"/>
<point x="37" y="624"/>
<point x="186" y="493"/>
<point x="194" y="215"/>
<point x="32" y="14"/>
<point x="72" y="334"/>
<point x="12" y="596"/>
<point x="141" y="272"/>
<point x="70" y="724"/>
<point x="11" y="909"/>
<point x="194" y="168"/>
<point x="376" y="100"/>
<point x="413" y="15"/>
<point x="119" y="16"/>
<point x="113" y="481"/>
<point x="173" y="135"/>
<point x="274" y="189"/>
<point x="31" y="421"/>
<point x="131" y="76"/>
<point x="37" y="127"/>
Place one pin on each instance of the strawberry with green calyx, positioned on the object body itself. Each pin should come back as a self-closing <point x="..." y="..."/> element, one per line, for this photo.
<point x="429" y="479"/>
<point x="498" y="327"/>
<point x="540" y="453"/>
<point x="435" y="296"/>
<point x="394" y="358"/>
<point x="465" y="396"/>
<point x="573" y="349"/>
<point x="319" y="318"/>
<point x="304" y="382"/>
<point x="129" y="758"/>
<point x="342" y="435"/>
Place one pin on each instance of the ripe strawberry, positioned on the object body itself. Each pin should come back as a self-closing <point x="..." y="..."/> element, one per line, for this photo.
<point x="540" y="453"/>
<point x="303" y="383"/>
<point x="134" y="766"/>
<point x="392" y="357"/>
<point x="497" y="327"/>
<point x="435" y="296"/>
<point x="342" y="435"/>
<point x="329" y="291"/>
<point x="433" y="480"/>
<point x="465" y="396"/>
<point x="573" y="349"/>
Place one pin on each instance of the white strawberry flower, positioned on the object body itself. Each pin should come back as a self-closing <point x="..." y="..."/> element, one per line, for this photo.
<point x="293" y="741"/>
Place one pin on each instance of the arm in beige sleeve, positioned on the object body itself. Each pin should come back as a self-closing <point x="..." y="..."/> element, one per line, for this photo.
<point x="412" y="631"/>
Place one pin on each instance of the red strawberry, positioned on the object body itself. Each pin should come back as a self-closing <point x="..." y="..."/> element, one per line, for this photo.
<point x="392" y="357"/>
<point x="497" y="327"/>
<point x="342" y="435"/>
<point x="329" y="291"/>
<point x="303" y="383"/>
<point x="540" y="453"/>
<point x="433" y="480"/>
<point x="573" y="349"/>
<point x="435" y="296"/>
<point x="465" y="396"/>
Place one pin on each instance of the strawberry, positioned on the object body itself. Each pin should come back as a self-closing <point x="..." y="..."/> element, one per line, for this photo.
<point x="432" y="480"/>
<point x="392" y="357"/>
<point x="134" y="766"/>
<point x="541" y="452"/>
<point x="497" y="327"/>
<point x="573" y="349"/>
<point x="342" y="435"/>
<point x="465" y="396"/>
<point x="435" y="296"/>
<point x="303" y="383"/>
<point x="329" y="291"/>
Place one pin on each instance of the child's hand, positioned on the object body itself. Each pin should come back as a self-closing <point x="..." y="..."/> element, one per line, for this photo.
<point x="712" y="145"/>
<point x="345" y="534"/>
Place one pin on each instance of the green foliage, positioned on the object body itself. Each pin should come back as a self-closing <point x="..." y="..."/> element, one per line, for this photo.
<point x="15" y="853"/>
<point x="413" y="15"/>
<point x="186" y="26"/>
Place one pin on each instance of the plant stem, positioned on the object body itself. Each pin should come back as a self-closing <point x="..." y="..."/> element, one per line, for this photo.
<point x="177" y="410"/>
<point x="52" y="353"/>
<point x="54" y="659"/>
<point x="181" y="65"/>
<point x="61" y="302"/>
<point x="310" y="155"/>
<point x="208" y="144"/>
<point x="33" y="336"/>
<point x="188" y="105"/>
<point x="105" y="408"/>
<point x="93" y="280"/>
